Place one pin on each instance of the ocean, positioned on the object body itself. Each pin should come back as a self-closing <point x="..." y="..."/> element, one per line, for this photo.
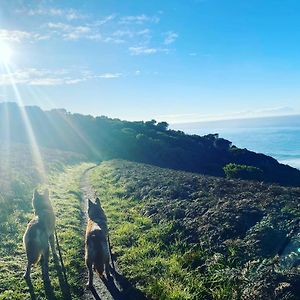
<point x="282" y="143"/>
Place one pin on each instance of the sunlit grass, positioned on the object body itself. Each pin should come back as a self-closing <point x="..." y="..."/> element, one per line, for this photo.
<point x="16" y="211"/>
<point x="148" y="253"/>
<point x="163" y="245"/>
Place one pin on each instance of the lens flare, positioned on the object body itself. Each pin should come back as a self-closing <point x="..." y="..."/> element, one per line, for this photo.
<point x="6" y="53"/>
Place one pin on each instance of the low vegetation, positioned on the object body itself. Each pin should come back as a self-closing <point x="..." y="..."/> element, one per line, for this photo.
<point x="19" y="176"/>
<point x="175" y="235"/>
<point x="179" y="235"/>
<point x="243" y="172"/>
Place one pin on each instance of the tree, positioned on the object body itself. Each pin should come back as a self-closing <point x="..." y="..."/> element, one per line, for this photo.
<point x="163" y="126"/>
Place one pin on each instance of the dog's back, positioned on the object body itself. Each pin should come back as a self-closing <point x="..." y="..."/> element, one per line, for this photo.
<point x="96" y="245"/>
<point x="44" y="210"/>
<point x="39" y="232"/>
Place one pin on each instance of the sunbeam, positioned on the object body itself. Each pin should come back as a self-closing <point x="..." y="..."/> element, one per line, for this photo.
<point x="36" y="154"/>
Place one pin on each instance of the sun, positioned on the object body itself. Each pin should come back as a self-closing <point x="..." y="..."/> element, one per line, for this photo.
<point x="5" y="53"/>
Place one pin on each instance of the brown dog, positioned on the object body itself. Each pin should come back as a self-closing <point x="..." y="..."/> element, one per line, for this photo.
<point x="96" y="245"/>
<point x="39" y="232"/>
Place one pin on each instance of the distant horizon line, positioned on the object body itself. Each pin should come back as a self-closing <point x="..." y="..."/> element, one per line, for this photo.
<point x="237" y="119"/>
<point x="184" y="123"/>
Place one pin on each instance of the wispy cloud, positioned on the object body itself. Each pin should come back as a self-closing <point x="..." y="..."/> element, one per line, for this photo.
<point x="170" y="37"/>
<point x="32" y="76"/>
<point x="142" y="50"/>
<point x="19" y="36"/>
<point x="104" y="20"/>
<point x="43" y="77"/>
<point x="69" y="14"/>
<point x="121" y="30"/>
<point x="70" y="32"/>
<point x="139" y="19"/>
<point x="109" y="75"/>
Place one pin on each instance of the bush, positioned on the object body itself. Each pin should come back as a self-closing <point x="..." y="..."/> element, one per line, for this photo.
<point x="243" y="172"/>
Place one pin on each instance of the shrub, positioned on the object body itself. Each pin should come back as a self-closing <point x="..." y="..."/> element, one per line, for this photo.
<point x="243" y="172"/>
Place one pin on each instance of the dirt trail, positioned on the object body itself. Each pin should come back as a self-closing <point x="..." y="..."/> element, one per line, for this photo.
<point x="117" y="287"/>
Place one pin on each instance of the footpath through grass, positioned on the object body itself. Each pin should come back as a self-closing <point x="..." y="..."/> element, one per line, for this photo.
<point x="64" y="187"/>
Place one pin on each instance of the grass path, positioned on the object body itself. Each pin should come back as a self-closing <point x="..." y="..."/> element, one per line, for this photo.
<point x="117" y="287"/>
<point x="65" y="196"/>
<point x="149" y="254"/>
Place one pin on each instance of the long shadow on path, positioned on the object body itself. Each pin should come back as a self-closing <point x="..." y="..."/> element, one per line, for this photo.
<point x="119" y="288"/>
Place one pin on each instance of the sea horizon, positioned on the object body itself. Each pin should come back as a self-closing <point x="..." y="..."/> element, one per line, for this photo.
<point x="282" y="143"/>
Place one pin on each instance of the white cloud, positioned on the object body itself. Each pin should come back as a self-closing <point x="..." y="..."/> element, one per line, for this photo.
<point x="69" y="14"/>
<point x="34" y="76"/>
<point x="121" y="36"/>
<point x="142" y="50"/>
<point x="170" y="37"/>
<point x="43" y="77"/>
<point x="140" y="19"/>
<point x="19" y="36"/>
<point x="69" y="32"/>
<point x="109" y="75"/>
<point x="113" y="40"/>
<point x="104" y="20"/>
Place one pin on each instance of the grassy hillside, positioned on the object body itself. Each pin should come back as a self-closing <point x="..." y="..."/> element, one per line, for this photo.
<point x="103" y="138"/>
<point x="179" y="235"/>
<point x="19" y="175"/>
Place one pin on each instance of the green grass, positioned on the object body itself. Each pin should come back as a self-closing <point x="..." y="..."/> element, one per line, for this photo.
<point x="153" y="255"/>
<point x="63" y="174"/>
<point x="169" y="249"/>
<point x="176" y="235"/>
<point x="65" y="197"/>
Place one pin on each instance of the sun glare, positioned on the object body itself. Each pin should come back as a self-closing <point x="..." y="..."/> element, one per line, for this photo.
<point x="5" y="53"/>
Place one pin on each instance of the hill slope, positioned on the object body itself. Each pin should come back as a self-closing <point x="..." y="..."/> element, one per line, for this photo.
<point x="179" y="235"/>
<point x="149" y="142"/>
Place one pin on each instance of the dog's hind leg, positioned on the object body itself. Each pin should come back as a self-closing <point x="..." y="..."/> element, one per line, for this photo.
<point x="89" y="265"/>
<point x="45" y="263"/>
<point x="52" y="244"/>
<point x="33" y="256"/>
<point x="27" y="272"/>
<point x="107" y="268"/>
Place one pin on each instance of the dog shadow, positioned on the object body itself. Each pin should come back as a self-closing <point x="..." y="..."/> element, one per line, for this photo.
<point x="119" y="288"/>
<point x="30" y="289"/>
<point x="49" y="291"/>
<point x="62" y="278"/>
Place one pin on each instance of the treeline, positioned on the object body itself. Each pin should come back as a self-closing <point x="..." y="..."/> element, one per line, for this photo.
<point x="102" y="138"/>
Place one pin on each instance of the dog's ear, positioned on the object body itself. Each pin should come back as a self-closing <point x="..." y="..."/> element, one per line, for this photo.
<point x="97" y="201"/>
<point x="46" y="193"/>
<point x="90" y="203"/>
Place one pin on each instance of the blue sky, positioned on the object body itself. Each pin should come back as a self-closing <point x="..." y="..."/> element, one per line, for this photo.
<point x="179" y="61"/>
